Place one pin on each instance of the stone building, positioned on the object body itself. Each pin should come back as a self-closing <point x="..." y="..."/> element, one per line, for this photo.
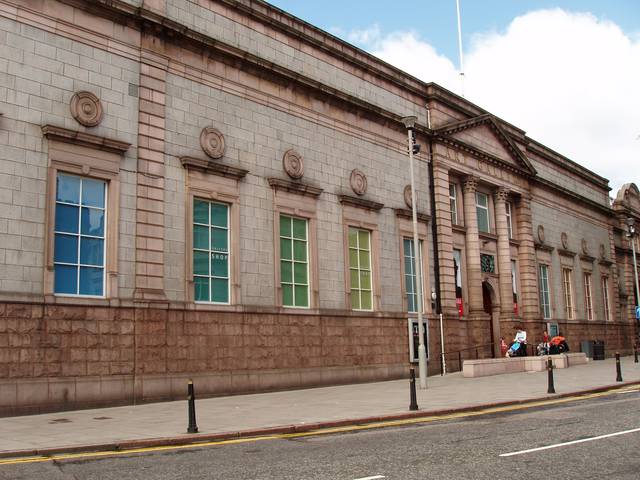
<point x="217" y="190"/>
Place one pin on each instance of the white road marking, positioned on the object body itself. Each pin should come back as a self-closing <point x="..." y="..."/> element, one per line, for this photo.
<point x="569" y="443"/>
<point x="375" y="477"/>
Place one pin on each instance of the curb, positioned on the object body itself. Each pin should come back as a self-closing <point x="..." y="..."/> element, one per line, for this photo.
<point x="194" y="439"/>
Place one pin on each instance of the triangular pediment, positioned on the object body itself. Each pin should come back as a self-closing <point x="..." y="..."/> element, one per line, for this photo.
<point x="484" y="136"/>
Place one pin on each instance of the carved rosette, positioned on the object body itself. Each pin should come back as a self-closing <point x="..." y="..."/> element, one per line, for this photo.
<point x="358" y="181"/>
<point x="408" y="199"/>
<point x="603" y="253"/>
<point x="541" y="233"/>
<point x="292" y="164"/>
<point x="212" y="142"/>
<point x="585" y="246"/>
<point x="86" y="109"/>
<point x="564" y="239"/>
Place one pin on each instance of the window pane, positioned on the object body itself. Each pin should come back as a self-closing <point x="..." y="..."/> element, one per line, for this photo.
<point x="91" y="251"/>
<point x="408" y="265"/>
<point x="483" y="220"/>
<point x="286" y="249"/>
<point x="287" y="295"/>
<point x="355" y="299"/>
<point x="218" y="240"/>
<point x="285" y="226"/>
<point x="363" y="237"/>
<point x="66" y="218"/>
<point x="407" y="243"/>
<point x="300" y="250"/>
<point x="219" y="215"/>
<point x="300" y="273"/>
<point x="408" y="284"/>
<point x="200" y="211"/>
<point x="66" y="279"/>
<point x="219" y="265"/>
<point x="201" y="289"/>
<point x="93" y="192"/>
<point x="365" y="280"/>
<point x="481" y="199"/>
<point x="364" y="260"/>
<point x="411" y="303"/>
<point x="285" y="272"/>
<point x="92" y="222"/>
<point x="365" y="300"/>
<point x="68" y="189"/>
<point x="200" y="263"/>
<point x="355" y="278"/>
<point x="220" y="290"/>
<point x="353" y="258"/>
<point x="201" y="237"/>
<point x="302" y="295"/>
<point x="299" y="228"/>
<point x="353" y="237"/>
<point x="66" y="249"/>
<point x="91" y="281"/>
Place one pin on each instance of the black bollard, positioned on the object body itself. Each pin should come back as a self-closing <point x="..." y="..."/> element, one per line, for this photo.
<point x="191" y="398"/>
<point x="635" y="353"/>
<point x="412" y="389"/>
<point x="551" y="388"/>
<point x="618" y="369"/>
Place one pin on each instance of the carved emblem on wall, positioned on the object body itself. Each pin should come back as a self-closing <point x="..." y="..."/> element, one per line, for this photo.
<point x="358" y="182"/>
<point x="86" y="109"/>
<point x="564" y="239"/>
<point x="292" y="164"/>
<point x="585" y="246"/>
<point x="212" y="142"/>
<point x="408" y="200"/>
<point x="603" y="252"/>
<point x="541" y="233"/>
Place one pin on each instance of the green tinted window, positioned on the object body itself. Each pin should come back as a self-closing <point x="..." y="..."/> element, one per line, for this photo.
<point x="410" y="275"/>
<point x="210" y="251"/>
<point x="294" y="261"/>
<point x="360" y="269"/>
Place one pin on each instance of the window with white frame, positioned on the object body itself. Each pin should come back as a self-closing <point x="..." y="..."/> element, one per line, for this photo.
<point x="482" y="211"/>
<point x="211" y="251"/>
<point x="568" y="293"/>
<point x="410" y="275"/>
<point x="509" y="219"/>
<point x="294" y="261"/>
<point x="545" y="300"/>
<point x="605" y="298"/>
<point x="514" y="281"/>
<point x="588" y="305"/>
<point x="79" y="243"/>
<point x="453" y="203"/>
<point x="360" y="269"/>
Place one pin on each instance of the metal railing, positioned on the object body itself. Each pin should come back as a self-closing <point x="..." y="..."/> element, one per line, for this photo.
<point x="455" y="359"/>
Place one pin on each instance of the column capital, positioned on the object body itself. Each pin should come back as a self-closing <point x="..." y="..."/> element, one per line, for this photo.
<point x="470" y="184"/>
<point x="501" y="194"/>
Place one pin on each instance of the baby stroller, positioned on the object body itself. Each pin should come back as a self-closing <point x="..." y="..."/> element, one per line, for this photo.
<point x="542" y="349"/>
<point x="558" y="345"/>
<point x="518" y="347"/>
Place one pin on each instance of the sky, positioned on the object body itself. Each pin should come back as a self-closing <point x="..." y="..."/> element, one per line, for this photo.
<point x="565" y="71"/>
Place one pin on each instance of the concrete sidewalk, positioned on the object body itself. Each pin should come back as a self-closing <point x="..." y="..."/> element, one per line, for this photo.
<point x="244" y="415"/>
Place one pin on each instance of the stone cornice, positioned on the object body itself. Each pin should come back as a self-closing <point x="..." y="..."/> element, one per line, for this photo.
<point x="566" y="253"/>
<point x="65" y="135"/>
<point x="587" y="258"/>
<point x="213" y="168"/>
<point x="408" y="214"/>
<point x="543" y="247"/>
<point x="360" y="203"/>
<point x="574" y="196"/>
<point x="294" y="187"/>
<point x="605" y="263"/>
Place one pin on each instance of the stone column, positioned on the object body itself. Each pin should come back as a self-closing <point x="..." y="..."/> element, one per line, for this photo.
<point x="528" y="295"/>
<point x="472" y="244"/>
<point x="504" y="254"/>
<point x="445" y="239"/>
<point x="151" y="173"/>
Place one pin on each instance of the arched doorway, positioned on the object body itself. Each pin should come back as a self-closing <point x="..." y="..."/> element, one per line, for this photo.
<point x="492" y="308"/>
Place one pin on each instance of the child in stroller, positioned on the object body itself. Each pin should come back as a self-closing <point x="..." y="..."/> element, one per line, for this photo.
<point x="556" y="346"/>
<point x="518" y="347"/>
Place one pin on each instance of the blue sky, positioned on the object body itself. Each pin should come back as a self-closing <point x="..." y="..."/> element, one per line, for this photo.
<point x="565" y="71"/>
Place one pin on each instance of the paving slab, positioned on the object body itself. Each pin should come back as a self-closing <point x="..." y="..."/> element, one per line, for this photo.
<point x="230" y="415"/>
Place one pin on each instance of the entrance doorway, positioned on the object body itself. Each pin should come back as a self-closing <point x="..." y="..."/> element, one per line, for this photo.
<point x="493" y="310"/>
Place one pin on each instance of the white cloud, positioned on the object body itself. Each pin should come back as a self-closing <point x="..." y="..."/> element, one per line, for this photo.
<point x="571" y="81"/>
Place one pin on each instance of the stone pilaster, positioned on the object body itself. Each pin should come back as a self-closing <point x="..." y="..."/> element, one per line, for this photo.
<point x="528" y="295"/>
<point x="445" y="239"/>
<point x="504" y="254"/>
<point x="151" y="173"/>
<point x="472" y="244"/>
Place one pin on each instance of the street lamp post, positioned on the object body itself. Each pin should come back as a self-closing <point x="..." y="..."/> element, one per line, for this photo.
<point x="409" y="123"/>
<point x="632" y="238"/>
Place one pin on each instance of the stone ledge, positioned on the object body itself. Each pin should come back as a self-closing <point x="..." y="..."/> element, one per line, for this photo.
<point x="66" y="135"/>
<point x="499" y="366"/>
